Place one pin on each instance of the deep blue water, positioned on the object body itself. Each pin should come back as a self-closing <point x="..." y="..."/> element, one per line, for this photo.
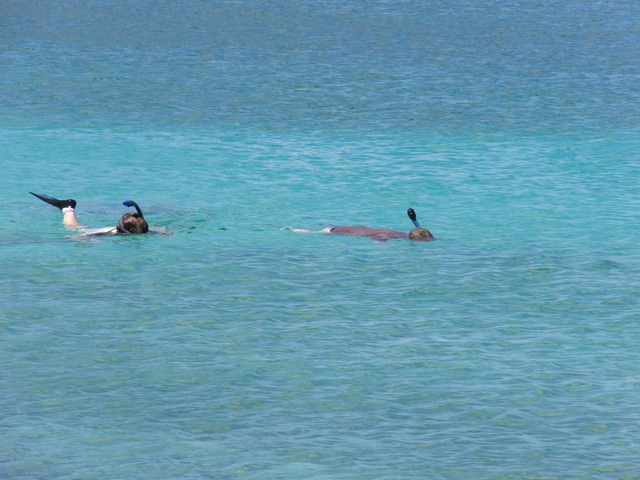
<point x="235" y="346"/>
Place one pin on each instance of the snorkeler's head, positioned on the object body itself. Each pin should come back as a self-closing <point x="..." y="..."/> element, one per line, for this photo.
<point x="420" y="234"/>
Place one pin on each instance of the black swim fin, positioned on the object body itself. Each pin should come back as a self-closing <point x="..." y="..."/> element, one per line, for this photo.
<point x="70" y="202"/>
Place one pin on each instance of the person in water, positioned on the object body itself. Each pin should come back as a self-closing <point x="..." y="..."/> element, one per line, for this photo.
<point x="382" y="234"/>
<point x="129" y="223"/>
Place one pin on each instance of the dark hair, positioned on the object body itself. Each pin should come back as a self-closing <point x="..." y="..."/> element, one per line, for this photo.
<point x="132" y="223"/>
<point x="420" y="234"/>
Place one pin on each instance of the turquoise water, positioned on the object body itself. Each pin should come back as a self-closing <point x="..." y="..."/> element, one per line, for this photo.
<point x="236" y="347"/>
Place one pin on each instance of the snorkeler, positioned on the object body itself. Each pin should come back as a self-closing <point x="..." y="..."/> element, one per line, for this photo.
<point x="129" y="223"/>
<point x="383" y="234"/>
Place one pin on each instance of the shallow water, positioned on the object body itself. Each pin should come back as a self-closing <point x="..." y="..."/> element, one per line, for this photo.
<point x="236" y="347"/>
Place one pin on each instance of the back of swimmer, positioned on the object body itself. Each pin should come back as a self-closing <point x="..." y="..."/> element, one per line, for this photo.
<point x="383" y="234"/>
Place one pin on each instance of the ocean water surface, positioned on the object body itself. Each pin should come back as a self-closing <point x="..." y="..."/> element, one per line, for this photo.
<point x="241" y="343"/>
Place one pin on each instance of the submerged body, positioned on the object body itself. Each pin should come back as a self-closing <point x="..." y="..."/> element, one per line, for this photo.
<point x="383" y="234"/>
<point x="362" y="231"/>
